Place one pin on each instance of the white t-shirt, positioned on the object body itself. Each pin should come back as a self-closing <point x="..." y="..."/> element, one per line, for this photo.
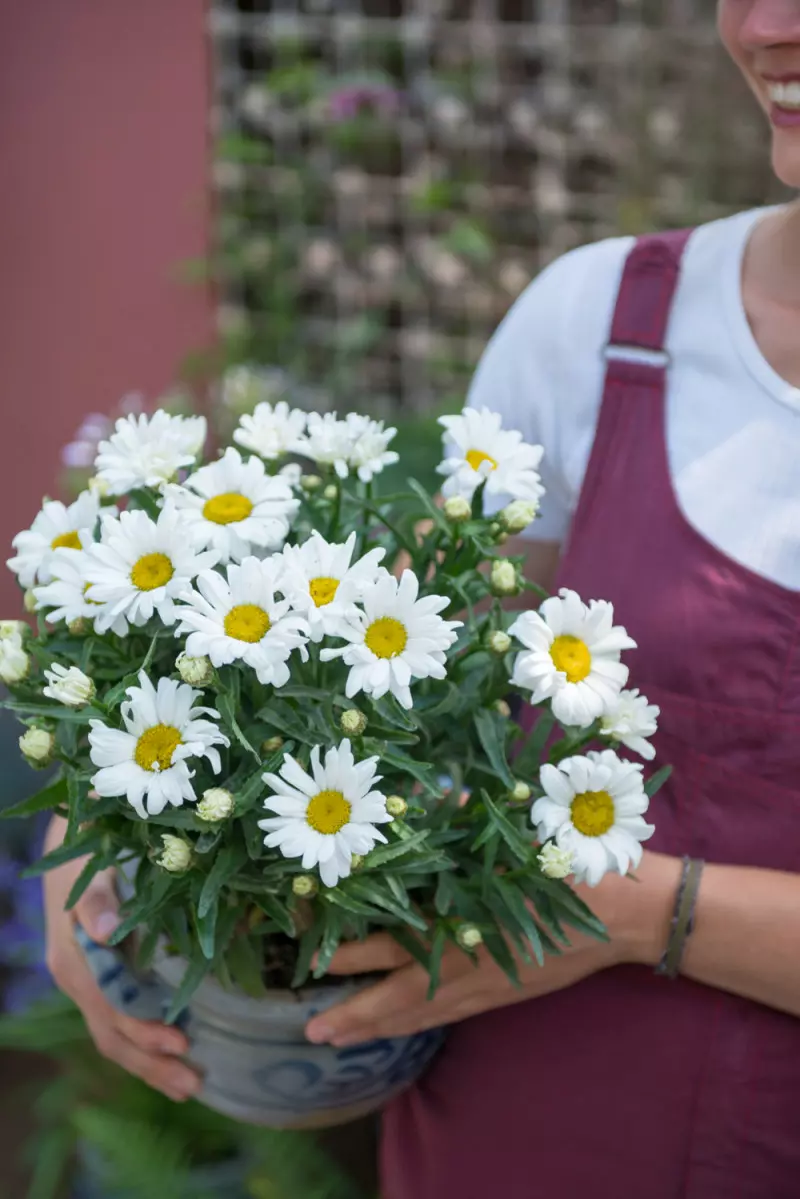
<point x="733" y="425"/>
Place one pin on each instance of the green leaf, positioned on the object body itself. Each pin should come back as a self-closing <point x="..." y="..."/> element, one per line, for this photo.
<point x="423" y="772"/>
<point x="114" y="697"/>
<point x="246" y="965"/>
<point x="52" y="796"/>
<point x="395" y="849"/>
<point x="227" y="863"/>
<point x="54" y="1150"/>
<point x="517" y="908"/>
<point x="391" y="713"/>
<point x="491" y="728"/>
<point x="497" y="948"/>
<point x="276" y="910"/>
<point x="520" y="848"/>
<point x="139" y="497"/>
<point x="89" y="842"/>
<point x="657" y="780"/>
<point x="371" y="893"/>
<point x="309" y="943"/>
<point x="435" y="964"/>
<point x="283" y="718"/>
<point x="331" y="939"/>
<point x="94" y="865"/>
<point x="225" y="704"/>
<point x="207" y="928"/>
<point x="435" y="513"/>
<point x="196" y="971"/>
<point x="342" y="899"/>
<point x="411" y="944"/>
<point x="56" y="712"/>
<point x="529" y="759"/>
<point x="444" y="898"/>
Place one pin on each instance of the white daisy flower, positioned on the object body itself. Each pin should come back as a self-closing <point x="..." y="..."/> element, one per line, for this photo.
<point x="369" y="452"/>
<point x="396" y="638"/>
<point x="232" y="506"/>
<point x="66" y="597"/>
<point x="631" y="720"/>
<point x="140" y="567"/>
<point x="238" y="618"/>
<point x="593" y="807"/>
<point x="148" y="451"/>
<point x="478" y="449"/>
<point x="320" y="582"/>
<point x="147" y="760"/>
<point x="292" y="473"/>
<point x="572" y="657"/>
<point x="329" y="442"/>
<point x="56" y="525"/>
<point x="271" y="431"/>
<point x="327" y="816"/>
<point x="15" y="663"/>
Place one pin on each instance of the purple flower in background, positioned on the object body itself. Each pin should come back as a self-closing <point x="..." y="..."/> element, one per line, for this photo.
<point x="21" y="938"/>
<point x="80" y="453"/>
<point x="356" y="99"/>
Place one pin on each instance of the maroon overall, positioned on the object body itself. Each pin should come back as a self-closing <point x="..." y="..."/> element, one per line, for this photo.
<point x="627" y="1084"/>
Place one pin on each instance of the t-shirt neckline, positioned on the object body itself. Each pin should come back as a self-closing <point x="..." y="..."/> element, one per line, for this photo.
<point x="736" y="317"/>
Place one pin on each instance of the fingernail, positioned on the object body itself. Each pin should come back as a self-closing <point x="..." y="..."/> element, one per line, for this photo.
<point x="319" y="1033"/>
<point x="105" y="924"/>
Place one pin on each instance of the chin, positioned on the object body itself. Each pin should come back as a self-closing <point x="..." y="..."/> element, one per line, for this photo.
<point x="786" y="158"/>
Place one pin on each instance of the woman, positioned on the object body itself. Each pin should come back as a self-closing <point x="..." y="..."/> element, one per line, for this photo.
<point x="672" y="467"/>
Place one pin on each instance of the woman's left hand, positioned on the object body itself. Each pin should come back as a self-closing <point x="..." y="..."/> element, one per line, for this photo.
<point x="636" y="915"/>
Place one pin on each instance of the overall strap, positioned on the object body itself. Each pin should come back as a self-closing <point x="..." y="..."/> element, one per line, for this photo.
<point x="630" y="423"/>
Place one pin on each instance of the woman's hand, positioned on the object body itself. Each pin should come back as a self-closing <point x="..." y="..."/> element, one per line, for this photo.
<point x="142" y="1047"/>
<point x="636" y="915"/>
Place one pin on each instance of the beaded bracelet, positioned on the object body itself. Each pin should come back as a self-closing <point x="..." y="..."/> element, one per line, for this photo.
<point x="682" y="922"/>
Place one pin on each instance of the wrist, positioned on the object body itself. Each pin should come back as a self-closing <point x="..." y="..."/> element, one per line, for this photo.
<point x="637" y="910"/>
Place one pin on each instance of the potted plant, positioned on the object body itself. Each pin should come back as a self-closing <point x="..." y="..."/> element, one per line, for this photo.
<point x="280" y="707"/>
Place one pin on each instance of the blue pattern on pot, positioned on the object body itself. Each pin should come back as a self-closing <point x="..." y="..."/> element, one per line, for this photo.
<point x="256" y="1062"/>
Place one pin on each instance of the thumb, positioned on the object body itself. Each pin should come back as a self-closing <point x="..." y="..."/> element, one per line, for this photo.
<point x="97" y="910"/>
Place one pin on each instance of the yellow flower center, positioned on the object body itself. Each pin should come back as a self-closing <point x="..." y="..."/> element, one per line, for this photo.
<point x="155" y="747"/>
<point x="247" y="622"/>
<point x="70" y="541"/>
<point x="327" y="812"/>
<point x="323" y="590"/>
<point x="386" y="637"/>
<point x="151" y="571"/>
<point x="228" y="508"/>
<point x="571" y="655"/>
<point x="476" y="457"/>
<point x="592" y="813"/>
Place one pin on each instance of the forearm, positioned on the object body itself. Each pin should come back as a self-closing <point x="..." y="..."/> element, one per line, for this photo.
<point x="746" y="936"/>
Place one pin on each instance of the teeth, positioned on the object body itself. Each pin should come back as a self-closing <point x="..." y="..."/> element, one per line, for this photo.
<point x="786" y="95"/>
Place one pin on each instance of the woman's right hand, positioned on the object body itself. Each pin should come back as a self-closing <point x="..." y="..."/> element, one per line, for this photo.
<point x="143" y="1047"/>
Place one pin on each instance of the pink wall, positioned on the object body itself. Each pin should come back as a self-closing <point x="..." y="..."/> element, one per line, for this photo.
<point x="102" y="192"/>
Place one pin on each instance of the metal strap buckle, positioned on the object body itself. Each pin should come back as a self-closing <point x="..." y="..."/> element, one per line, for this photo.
<point x="659" y="359"/>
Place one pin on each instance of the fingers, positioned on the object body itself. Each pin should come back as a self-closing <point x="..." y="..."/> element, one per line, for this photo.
<point x="378" y="952"/>
<point x="404" y="988"/>
<point x="97" y="911"/>
<point x="162" y="1071"/>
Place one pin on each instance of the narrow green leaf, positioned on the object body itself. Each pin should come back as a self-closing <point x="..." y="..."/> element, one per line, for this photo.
<point x="309" y="943"/>
<point x="391" y="713"/>
<point x="246" y="965"/>
<point x="435" y="513"/>
<point x="529" y="759"/>
<point x="196" y="971"/>
<point x="276" y="910"/>
<point x="498" y="949"/>
<point x="114" y="697"/>
<point x="282" y="717"/>
<point x="657" y="780"/>
<point x="395" y="849"/>
<point x="515" y="903"/>
<point x="435" y="964"/>
<point x="225" y="704"/>
<point x="491" y="729"/>
<point x="56" y="712"/>
<point x="331" y="939"/>
<point x="423" y="772"/>
<point x="372" y="893"/>
<point x="518" y="845"/>
<point x="54" y="1150"/>
<point x="94" y="865"/>
<point x="88" y="842"/>
<point x="342" y="899"/>
<point x="206" y="929"/>
<point x="227" y="862"/>
<point x="443" y="899"/>
<point x="52" y="796"/>
<point x="405" y="938"/>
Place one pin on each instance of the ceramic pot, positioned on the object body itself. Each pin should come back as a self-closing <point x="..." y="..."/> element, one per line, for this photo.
<point x="256" y="1064"/>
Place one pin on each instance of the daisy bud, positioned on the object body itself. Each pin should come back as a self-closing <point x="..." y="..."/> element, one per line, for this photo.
<point x="15" y="664"/>
<point x="70" y="686"/>
<point x="331" y="491"/>
<point x="310" y="482"/>
<point x="518" y="515"/>
<point x="503" y="578"/>
<point x="554" y="862"/>
<point x="37" y="746"/>
<point x="29" y="601"/>
<point x="494" y="529"/>
<point x="520" y="792"/>
<point x="196" y="671"/>
<point x="469" y="936"/>
<point x="12" y="628"/>
<point x="271" y="745"/>
<point x="502" y="709"/>
<point x="501" y="538"/>
<point x="216" y="804"/>
<point x="177" y="854"/>
<point x="78" y="627"/>
<point x="353" y="722"/>
<point x="457" y="509"/>
<point x="356" y="861"/>
<point x="305" y="886"/>
<point x="396" y="806"/>
<point x="499" y="642"/>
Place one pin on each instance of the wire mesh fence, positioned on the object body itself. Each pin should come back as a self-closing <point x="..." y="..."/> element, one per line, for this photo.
<point x="390" y="174"/>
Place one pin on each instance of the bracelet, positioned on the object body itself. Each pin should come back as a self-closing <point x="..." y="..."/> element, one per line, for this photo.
<point x="682" y="922"/>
